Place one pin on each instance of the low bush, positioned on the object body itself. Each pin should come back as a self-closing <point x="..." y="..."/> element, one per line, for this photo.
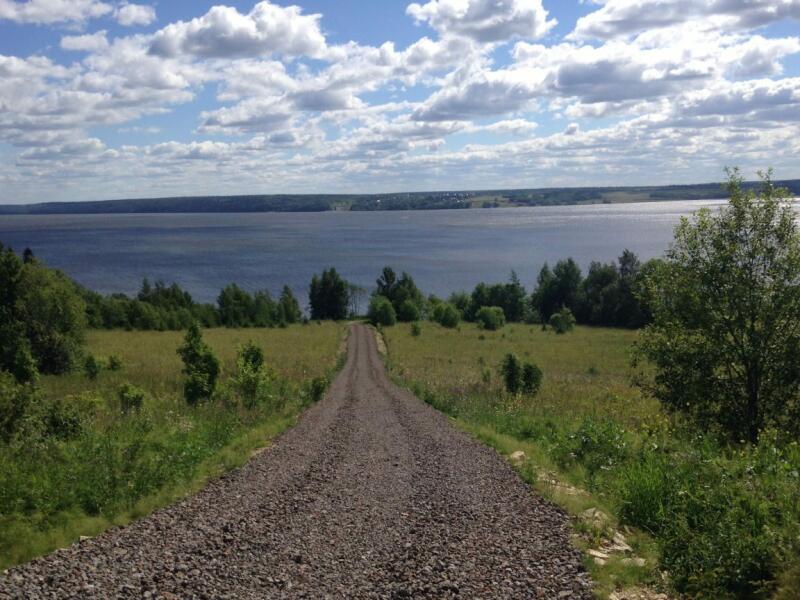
<point x="416" y="329"/>
<point x="131" y="398"/>
<point x="91" y="367"/>
<point x="114" y="363"/>
<point x="408" y="312"/>
<point x="562" y="321"/>
<point x="446" y="315"/>
<point x="381" y="312"/>
<point x="490" y="317"/>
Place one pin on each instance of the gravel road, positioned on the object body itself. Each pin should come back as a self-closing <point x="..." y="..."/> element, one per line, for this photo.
<point x="373" y="494"/>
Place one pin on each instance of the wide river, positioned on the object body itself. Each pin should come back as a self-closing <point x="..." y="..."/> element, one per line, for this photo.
<point x="444" y="250"/>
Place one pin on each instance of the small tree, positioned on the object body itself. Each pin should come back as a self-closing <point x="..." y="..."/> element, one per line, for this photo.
<point x="491" y="317"/>
<point x="531" y="379"/>
<point x="725" y="341"/>
<point x="91" y="367"/>
<point x="289" y="306"/>
<point x="381" y="311"/>
<point x="131" y="398"/>
<point x="200" y="366"/>
<point x="511" y="370"/>
<point x="562" y="321"/>
<point x="250" y="374"/>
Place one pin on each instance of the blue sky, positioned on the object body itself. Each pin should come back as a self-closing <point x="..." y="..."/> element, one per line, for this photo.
<point x="111" y="99"/>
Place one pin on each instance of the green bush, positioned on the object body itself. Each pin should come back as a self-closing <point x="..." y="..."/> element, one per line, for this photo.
<point x="16" y="400"/>
<point x="416" y="329"/>
<point x="201" y="367"/>
<point x="647" y="488"/>
<point x="91" y="367"/>
<point x="114" y="363"/>
<point x="317" y="388"/>
<point x="131" y="398"/>
<point x="531" y="379"/>
<point x="408" y="312"/>
<point x="511" y="371"/>
<point x="447" y="315"/>
<point x="490" y="317"/>
<point x="381" y="311"/>
<point x="563" y="321"/>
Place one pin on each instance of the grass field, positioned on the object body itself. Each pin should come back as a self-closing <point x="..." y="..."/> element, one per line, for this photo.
<point x="101" y="466"/>
<point x="723" y="521"/>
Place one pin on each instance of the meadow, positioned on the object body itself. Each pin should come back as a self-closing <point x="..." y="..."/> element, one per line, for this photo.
<point x="709" y="520"/>
<point x="102" y="464"/>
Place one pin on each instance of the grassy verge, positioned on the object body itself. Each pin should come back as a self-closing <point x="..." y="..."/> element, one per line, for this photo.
<point x="100" y="466"/>
<point x="724" y="522"/>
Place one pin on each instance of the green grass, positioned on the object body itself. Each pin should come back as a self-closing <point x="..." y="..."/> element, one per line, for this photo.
<point x="724" y="521"/>
<point x="114" y="467"/>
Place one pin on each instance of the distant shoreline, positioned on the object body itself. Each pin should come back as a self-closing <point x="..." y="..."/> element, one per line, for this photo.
<point x="471" y="199"/>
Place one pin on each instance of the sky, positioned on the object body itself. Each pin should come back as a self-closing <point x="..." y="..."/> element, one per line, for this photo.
<point x="103" y="99"/>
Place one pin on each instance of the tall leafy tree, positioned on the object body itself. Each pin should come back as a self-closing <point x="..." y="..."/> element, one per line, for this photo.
<point x="328" y="296"/>
<point x="289" y="307"/>
<point x="725" y="341"/>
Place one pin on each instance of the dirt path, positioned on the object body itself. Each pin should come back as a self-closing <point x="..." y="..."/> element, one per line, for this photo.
<point x="372" y="495"/>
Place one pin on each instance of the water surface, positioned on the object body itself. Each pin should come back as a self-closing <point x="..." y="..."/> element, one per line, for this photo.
<point x="444" y="250"/>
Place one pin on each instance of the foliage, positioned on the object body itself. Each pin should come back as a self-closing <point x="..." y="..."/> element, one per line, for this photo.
<point x="91" y="367"/>
<point x="490" y="317"/>
<point x="562" y="321"/>
<point x="114" y="363"/>
<point x="531" y="379"/>
<point x="510" y="297"/>
<point x="402" y="292"/>
<point x="416" y="329"/>
<point x="381" y="311"/>
<point x="328" y="296"/>
<point x="289" y="307"/>
<point x="200" y="366"/>
<point x="557" y="288"/>
<point x="447" y="315"/>
<point x="725" y="342"/>
<point x="16" y="400"/>
<point x="511" y="370"/>
<point x="131" y="398"/>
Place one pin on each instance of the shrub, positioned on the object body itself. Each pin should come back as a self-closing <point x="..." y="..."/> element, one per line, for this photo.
<point x="646" y="489"/>
<point x="511" y="370"/>
<point x="416" y="330"/>
<point x="408" y="312"/>
<point x="531" y="379"/>
<point x="252" y="380"/>
<point x="62" y="419"/>
<point x="201" y="367"/>
<point x="114" y="363"/>
<point x="91" y="367"/>
<point x="490" y="317"/>
<point x="447" y="315"/>
<point x="562" y="321"/>
<point x="131" y="398"/>
<point x="381" y="311"/>
<point x="16" y="399"/>
<point x="317" y="388"/>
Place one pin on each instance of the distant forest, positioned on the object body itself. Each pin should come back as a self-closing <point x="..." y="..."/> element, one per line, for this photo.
<point x="399" y="201"/>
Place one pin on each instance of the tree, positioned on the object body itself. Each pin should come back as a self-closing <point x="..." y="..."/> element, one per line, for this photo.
<point x="511" y="370"/>
<point x="600" y="295"/>
<point x="381" y="311"/>
<point x="328" y="297"/>
<point x="289" y="306"/>
<point x="557" y="288"/>
<point x="53" y="312"/>
<point x="725" y="340"/>
<point x="200" y="366"/>
<point x="402" y="293"/>
<point x="531" y="379"/>
<point x="235" y="306"/>
<point x="491" y="317"/>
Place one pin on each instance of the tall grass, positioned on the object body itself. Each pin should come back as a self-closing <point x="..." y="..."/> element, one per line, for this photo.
<point x="726" y="520"/>
<point x="115" y="464"/>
